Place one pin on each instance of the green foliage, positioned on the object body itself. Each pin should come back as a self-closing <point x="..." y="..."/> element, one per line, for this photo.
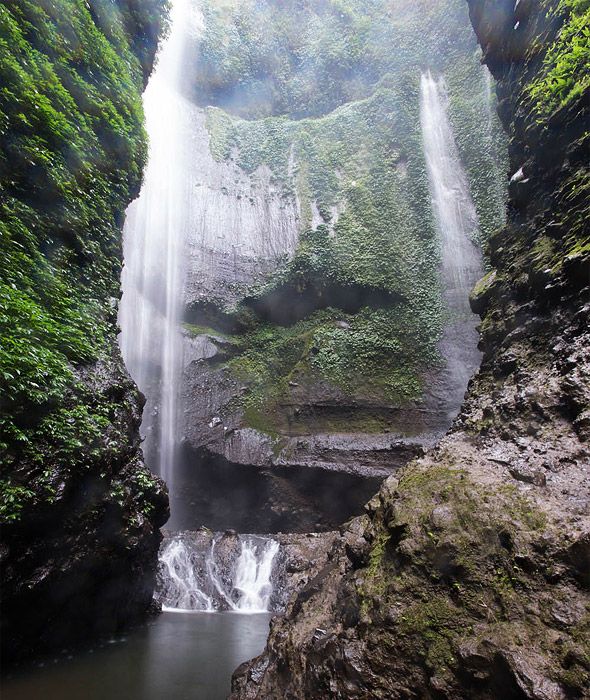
<point x="375" y="353"/>
<point x="13" y="499"/>
<point x="357" y="155"/>
<point x="566" y="67"/>
<point x="72" y="148"/>
<point x="357" y="169"/>
<point x="261" y="57"/>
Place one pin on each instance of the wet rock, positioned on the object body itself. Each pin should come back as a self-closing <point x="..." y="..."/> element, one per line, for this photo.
<point x="528" y="475"/>
<point x="297" y="565"/>
<point x="578" y="556"/>
<point x="530" y="679"/>
<point x="442" y="516"/>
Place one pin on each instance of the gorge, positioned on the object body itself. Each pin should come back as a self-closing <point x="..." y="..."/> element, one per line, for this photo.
<point x="325" y="184"/>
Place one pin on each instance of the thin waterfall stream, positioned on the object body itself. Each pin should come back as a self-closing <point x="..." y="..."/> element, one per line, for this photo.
<point x="457" y="226"/>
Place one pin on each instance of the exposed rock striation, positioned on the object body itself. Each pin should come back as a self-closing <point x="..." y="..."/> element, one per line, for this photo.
<point x="468" y="576"/>
<point x="80" y="513"/>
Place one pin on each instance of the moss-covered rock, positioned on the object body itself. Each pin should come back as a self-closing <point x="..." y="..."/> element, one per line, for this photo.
<point x="347" y="150"/>
<point x="77" y="501"/>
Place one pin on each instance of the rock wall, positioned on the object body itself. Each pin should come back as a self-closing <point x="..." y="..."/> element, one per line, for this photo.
<point x="314" y="315"/>
<point x="80" y="513"/>
<point x="468" y="576"/>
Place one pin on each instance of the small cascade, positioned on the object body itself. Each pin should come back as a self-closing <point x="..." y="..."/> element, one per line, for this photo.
<point x="183" y="591"/>
<point x="457" y="225"/>
<point x="229" y="573"/>
<point x="253" y="575"/>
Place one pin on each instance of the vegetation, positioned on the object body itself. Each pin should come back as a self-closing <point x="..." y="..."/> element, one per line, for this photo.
<point x="72" y="148"/>
<point x="346" y="142"/>
<point x="260" y="58"/>
<point x="566" y="67"/>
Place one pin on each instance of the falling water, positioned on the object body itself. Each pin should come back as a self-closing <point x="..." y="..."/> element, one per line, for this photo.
<point x="154" y="235"/>
<point x="183" y="587"/>
<point x="488" y="94"/>
<point x="253" y="575"/>
<point x="498" y="194"/>
<point x="457" y="226"/>
<point x="220" y="578"/>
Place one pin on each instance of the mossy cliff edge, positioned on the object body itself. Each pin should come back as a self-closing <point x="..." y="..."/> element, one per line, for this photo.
<point x="80" y="513"/>
<point x="469" y="575"/>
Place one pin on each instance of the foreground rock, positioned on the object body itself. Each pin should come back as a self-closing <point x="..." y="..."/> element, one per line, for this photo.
<point x="468" y="576"/>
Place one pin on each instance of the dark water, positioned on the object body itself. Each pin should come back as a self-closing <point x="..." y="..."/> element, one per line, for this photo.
<point x="175" y="657"/>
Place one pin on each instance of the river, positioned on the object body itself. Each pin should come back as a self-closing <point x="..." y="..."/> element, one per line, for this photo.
<point x="175" y="656"/>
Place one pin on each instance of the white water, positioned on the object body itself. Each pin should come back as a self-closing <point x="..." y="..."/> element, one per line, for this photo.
<point x="198" y="228"/>
<point x="253" y="576"/>
<point x="457" y="226"/>
<point x="154" y="237"/>
<point x="192" y="580"/>
<point x="498" y="197"/>
<point x="181" y="573"/>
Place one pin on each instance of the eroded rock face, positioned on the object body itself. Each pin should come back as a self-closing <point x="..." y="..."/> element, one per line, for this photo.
<point x="468" y="576"/>
<point x="83" y="564"/>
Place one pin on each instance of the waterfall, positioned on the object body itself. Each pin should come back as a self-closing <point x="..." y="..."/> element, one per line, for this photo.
<point x="232" y="573"/>
<point x="184" y="592"/>
<point x="154" y="235"/>
<point x="199" y="229"/>
<point x="253" y="575"/>
<point x="457" y="226"/>
<point x="498" y="198"/>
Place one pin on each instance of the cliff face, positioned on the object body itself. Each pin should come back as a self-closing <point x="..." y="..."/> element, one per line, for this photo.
<point x="80" y="513"/>
<point x="314" y="312"/>
<point x="468" y="576"/>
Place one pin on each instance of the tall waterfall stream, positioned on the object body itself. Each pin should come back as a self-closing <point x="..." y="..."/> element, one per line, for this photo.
<point x="156" y="236"/>
<point x="457" y="226"/>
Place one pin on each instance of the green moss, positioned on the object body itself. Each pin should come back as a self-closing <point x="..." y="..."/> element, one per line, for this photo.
<point x="72" y="148"/>
<point x="472" y="538"/>
<point x="376" y="578"/>
<point x="353" y="158"/>
<point x="566" y="74"/>
<point x="437" y="622"/>
<point x="195" y="330"/>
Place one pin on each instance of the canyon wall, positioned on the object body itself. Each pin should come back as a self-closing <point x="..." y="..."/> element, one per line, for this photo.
<point x="80" y="513"/>
<point x="468" y="575"/>
<point x="316" y="358"/>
